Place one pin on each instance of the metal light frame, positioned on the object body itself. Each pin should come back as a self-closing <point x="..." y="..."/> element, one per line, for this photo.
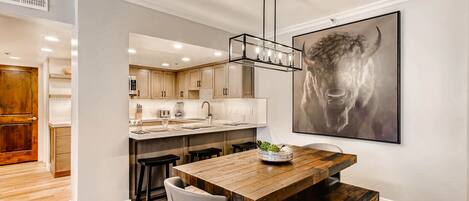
<point x="261" y="63"/>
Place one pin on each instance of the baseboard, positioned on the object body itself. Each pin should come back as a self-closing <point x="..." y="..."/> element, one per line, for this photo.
<point x="384" y="199"/>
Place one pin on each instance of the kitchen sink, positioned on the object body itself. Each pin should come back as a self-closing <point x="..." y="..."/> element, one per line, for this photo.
<point x="197" y="126"/>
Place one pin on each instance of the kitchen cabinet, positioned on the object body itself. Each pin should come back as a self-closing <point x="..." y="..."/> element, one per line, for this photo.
<point x="143" y="82"/>
<point x="206" y="78"/>
<point x="194" y="79"/>
<point x="181" y="85"/>
<point x="60" y="143"/>
<point x="163" y="85"/>
<point x="233" y="81"/>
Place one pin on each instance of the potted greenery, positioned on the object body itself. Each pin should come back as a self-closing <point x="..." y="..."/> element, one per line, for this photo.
<point x="273" y="153"/>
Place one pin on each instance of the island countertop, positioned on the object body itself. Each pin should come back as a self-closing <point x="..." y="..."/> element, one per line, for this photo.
<point x="180" y="131"/>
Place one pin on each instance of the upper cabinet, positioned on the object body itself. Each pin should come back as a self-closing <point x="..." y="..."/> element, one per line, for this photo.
<point x="206" y="78"/>
<point x="233" y="81"/>
<point x="163" y="85"/>
<point x="225" y="80"/>
<point x="194" y="79"/>
<point x="143" y="82"/>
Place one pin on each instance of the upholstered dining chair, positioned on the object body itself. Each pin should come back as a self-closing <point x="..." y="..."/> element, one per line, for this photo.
<point x="334" y="179"/>
<point x="175" y="191"/>
<point x="325" y="147"/>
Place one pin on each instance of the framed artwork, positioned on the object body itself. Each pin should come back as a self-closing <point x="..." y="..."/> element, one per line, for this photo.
<point x="350" y="83"/>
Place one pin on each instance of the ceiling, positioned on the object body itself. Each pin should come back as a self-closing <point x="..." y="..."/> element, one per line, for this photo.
<point x="24" y="38"/>
<point x="153" y="52"/>
<point x="245" y="16"/>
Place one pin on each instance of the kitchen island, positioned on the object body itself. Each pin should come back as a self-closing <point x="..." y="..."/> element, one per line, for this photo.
<point x="179" y="139"/>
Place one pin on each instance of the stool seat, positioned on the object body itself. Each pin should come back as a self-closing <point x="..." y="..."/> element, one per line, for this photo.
<point x="161" y="160"/>
<point x="205" y="153"/>
<point x="244" y="146"/>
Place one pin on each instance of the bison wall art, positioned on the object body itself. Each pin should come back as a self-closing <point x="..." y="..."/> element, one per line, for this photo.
<point x="349" y="85"/>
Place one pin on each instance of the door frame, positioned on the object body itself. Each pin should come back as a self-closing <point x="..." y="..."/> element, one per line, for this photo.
<point x="19" y="156"/>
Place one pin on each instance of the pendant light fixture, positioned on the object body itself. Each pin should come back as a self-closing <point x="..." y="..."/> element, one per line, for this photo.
<point x="259" y="52"/>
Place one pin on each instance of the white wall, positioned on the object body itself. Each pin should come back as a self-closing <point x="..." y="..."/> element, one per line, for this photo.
<point x="100" y="159"/>
<point x="431" y="162"/>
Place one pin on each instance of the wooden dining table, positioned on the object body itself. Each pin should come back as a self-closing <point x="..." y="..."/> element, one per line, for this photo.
<point x="243" y="177"/>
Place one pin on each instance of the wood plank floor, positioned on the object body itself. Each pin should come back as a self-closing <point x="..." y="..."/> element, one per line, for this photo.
<point x="32" y="182"/>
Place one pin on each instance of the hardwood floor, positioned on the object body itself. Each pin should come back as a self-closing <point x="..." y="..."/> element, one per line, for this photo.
<point x="32" y="182"/>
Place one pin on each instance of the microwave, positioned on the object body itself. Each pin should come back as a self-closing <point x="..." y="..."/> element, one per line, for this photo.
<point x="133" y="86"/>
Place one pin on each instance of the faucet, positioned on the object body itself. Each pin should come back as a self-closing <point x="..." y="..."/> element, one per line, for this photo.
<point x="209" y="114"/>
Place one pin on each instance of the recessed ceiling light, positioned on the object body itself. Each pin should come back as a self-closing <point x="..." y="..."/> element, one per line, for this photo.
<point x="132" y="51"/>
<point x="177" y="45"/>
<point x="217" y="54"/>
<point x="52" y="38"/>
<point x="186" y="59"/>
<point x="165" y="64"/>
<point x="14" y="58"/>
<point x="45" y="49"/>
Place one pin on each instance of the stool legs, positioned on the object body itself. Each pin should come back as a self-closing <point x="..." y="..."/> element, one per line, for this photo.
<point x="140" y="181"/>
<point x="167" y="170"/>
<point x="149" y="184"/>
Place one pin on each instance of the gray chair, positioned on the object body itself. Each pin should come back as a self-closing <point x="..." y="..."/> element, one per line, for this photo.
<point x="334" y="179"/>
<point x="325" y="147"/>
<point x="175" y="192"/>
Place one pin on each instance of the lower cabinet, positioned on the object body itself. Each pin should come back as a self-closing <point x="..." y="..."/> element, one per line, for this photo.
<point x="60" y="142"/>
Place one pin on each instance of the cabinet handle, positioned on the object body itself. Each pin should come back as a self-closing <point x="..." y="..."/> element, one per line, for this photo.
<point x="161" y="94"/>
<point x="138" y="92"/>
<point x="164" y="93"/>
<point x="198" y="83"/>
<point x="226" y="91"/>
<point x="181" y="94"/>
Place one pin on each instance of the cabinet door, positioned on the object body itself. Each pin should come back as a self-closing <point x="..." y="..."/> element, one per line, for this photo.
<point x="248" y="82"/>
<point x="206" y="81"/>
<point x="219" y="81"/>
<point x="143" y="82"/>
<point x="169" y="85"/>
<point x="235" y="79"/>
<point x="181" y="85"/>
<point x="157" y="83"/>
<point x="194" y="77"/>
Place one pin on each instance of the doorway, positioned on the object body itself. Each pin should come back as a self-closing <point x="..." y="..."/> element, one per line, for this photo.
<point x="18" y="114"/>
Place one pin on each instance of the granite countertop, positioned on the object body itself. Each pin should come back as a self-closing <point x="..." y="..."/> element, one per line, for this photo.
<point x="182" y="130"/>
<point x="61" y="124"/>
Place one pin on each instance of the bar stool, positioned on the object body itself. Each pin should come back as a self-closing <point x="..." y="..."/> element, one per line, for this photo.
<point x="204" y="153"/>
<point x="149" y="163"/>
<point x="244" y="146"/>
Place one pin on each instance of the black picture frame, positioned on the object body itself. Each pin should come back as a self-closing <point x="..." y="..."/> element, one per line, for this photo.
<point x="398" y="81"/>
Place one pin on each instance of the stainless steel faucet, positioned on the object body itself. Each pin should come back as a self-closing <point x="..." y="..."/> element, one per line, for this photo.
<point x="209" y="114"/>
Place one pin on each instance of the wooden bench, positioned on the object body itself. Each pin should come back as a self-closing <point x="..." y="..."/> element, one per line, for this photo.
<point x="338" y="192"/>
<point x="346" y="192"/>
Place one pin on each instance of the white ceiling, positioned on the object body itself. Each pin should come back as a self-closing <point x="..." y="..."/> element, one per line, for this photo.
<point x="24" y="38"/>
<point x="153" y="52"/>
<point x="245" y="16"/>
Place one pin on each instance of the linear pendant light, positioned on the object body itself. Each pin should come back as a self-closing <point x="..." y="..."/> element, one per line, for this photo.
<point x="259" y="52"/>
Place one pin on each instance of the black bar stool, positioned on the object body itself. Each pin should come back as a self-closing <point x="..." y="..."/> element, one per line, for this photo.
<point x="150" y="163"/>
<point x="244" y="146"/>
<point x="205" y="153"/>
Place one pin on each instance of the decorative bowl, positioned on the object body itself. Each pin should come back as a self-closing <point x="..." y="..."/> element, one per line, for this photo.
<point x="284" y="155"/>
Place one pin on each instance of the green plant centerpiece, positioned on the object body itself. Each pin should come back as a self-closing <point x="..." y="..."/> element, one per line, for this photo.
<point x="273" y="153"/>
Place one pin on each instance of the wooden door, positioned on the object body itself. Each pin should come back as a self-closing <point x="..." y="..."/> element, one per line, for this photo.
<point x="181" y="85"/>
<point x="169" y="85"/>
<point x="143" y="82"/>
<point x="157" y="83"/>
<point x="206" y="78"/>
<point x="235" y="79"/>
<point x="219" y="81"/>
<point x="194" y="77"/>
<point x="18" y="114"/>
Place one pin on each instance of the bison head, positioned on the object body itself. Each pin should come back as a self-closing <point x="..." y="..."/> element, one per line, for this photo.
<point x="340" y="70"/>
